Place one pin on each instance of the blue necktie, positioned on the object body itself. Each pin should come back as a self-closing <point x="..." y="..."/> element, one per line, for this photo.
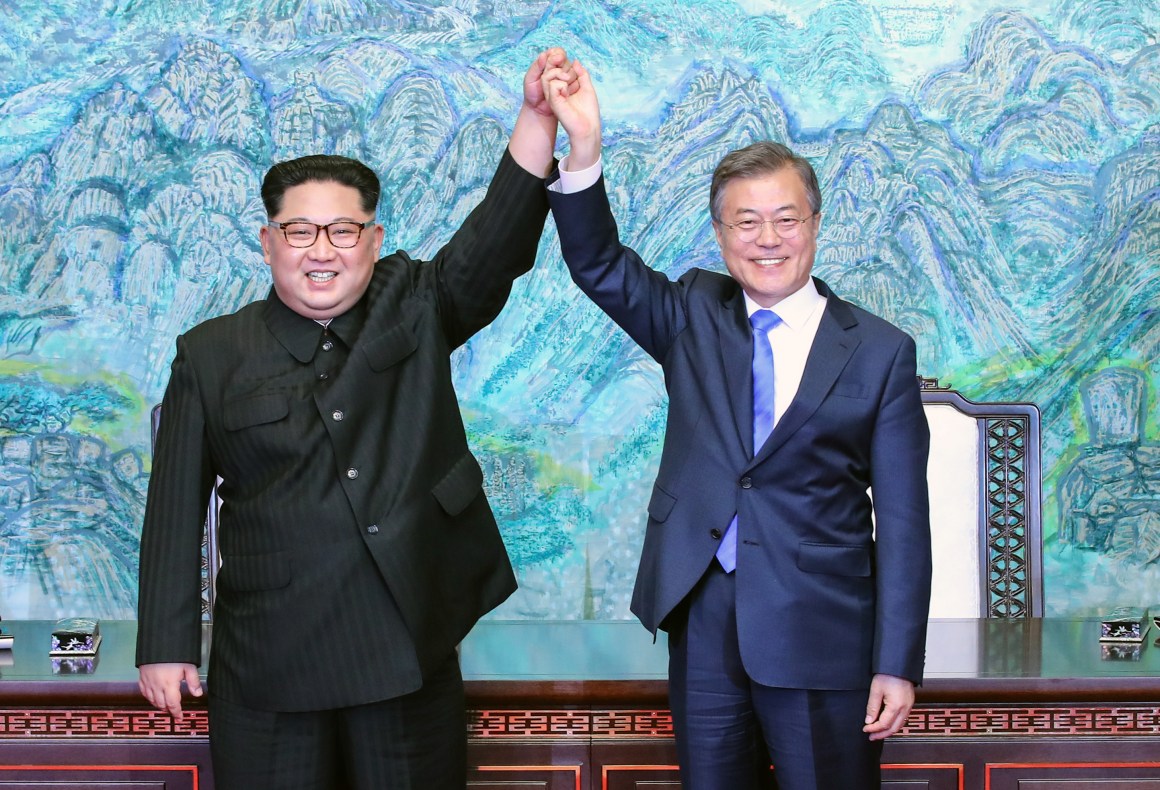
<point x="762" y="321"/>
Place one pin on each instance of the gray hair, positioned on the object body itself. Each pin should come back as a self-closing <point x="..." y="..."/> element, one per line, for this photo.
<point x="761" y="159"/>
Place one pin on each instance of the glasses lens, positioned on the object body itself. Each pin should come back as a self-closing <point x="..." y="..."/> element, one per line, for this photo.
<point x="300" y="234"/>
<point x="344" y="234"/>
<point x="787" y="227"/>
<point x="750" y="229"/>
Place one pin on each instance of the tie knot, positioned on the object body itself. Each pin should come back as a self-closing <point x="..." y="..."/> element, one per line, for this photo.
<point x="764" y="320"/>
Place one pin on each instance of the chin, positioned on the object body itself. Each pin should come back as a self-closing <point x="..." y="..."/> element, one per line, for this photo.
<point x="315" y="313"/>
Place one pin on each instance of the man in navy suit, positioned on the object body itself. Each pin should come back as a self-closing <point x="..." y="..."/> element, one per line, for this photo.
<point x="795" y="606"/>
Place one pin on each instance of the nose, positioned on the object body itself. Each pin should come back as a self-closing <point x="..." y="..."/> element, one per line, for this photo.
<point x="767" y="235"/>
<point x="322" y="249"/>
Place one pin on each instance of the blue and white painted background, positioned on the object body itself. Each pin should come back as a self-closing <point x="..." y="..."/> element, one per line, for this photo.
<point x="990" y="171"/>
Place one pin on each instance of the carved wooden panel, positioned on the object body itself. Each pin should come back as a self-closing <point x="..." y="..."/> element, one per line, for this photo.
<point x="105" y="764"/>
<point x="1070" y="774"/>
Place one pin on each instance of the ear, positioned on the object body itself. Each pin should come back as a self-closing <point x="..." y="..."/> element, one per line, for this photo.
<point x="380" y="233"/>
<point x="719" y="230"/>
<point x="264" y="237"/>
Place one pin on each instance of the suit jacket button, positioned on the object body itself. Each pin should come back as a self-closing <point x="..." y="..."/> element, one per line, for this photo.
<point x="327" y="345"/>
<point x="351" y="473"/>
<point x="746" y="482"/>
<point x="715" y="534"/>
<point x="337" y="415"/>
<point x="373" y="529"/>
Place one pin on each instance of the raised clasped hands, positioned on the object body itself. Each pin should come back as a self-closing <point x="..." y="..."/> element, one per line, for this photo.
<point x="570" y="95"/>
<point x="556" y="92"/>
<point x="554" y="60"/>
<point x="533" y="139"/>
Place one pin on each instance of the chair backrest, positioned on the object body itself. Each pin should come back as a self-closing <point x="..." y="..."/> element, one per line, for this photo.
<point x="210" y="559"/>
<point x="984" y="478"/>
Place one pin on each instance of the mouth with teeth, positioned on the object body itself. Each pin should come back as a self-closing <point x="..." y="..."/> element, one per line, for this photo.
<point x="321" y="277"/>
<point x="768" y="261"/>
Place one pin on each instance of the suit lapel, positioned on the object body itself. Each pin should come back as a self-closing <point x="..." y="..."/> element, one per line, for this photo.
<point x="736" y="339"/>
<point x="833" y="346"/>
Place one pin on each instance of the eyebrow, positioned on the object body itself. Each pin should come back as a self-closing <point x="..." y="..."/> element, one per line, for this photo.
<point x="778" y="210"/>
<point x="312" y="222"/>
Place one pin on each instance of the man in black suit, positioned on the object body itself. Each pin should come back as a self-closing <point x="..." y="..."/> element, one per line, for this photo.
<point x="796" y="608"/>
<point x="357" y="545"/>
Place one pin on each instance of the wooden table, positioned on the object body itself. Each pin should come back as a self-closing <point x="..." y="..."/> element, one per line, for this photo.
<point x="1036" y="703"/>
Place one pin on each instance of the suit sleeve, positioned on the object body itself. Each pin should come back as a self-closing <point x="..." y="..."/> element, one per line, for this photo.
<point x="496" y="244"/>
<point x="644" y="302"/>
<point x="900" y="447"/>
<point x="169" y="590"/>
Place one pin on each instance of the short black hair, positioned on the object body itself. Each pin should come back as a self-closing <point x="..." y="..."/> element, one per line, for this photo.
<point x="762" y="159"/>
<point x="319" y="167"/>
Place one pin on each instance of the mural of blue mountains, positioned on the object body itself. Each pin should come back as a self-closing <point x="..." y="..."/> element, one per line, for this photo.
<point x="1002" y="210"/>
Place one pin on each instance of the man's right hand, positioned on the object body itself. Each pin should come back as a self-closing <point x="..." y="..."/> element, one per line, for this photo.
<point x="161" y="685"/>
<point x="577" y="110"/>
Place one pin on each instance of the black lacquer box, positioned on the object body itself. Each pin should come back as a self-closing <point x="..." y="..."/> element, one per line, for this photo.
<point x="1124" y="624"/>
<point x="75" y="636"/>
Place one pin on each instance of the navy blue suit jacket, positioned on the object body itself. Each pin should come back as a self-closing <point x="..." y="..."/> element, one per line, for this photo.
<point x="830" y="588"/>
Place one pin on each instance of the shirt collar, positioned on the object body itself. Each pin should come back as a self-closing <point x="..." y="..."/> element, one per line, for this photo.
<point x="299" y="334"/>
<point x="794" y="310"/>
<point x="347" y="325"/>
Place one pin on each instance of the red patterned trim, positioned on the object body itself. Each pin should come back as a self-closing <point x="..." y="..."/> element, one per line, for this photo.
<point x="923" y="722"/>
<point x="100" y="723"/>
<point x="570" y="724"/>
<point x="1053" y="721"/>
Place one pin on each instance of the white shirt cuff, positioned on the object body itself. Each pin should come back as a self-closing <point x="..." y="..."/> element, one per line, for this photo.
<point x="576" y="180"/>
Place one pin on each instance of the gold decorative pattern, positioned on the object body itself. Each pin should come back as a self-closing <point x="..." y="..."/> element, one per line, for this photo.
<point x="99" y="723"/>
<point x="923" y="722"/>
<point x="1030" y="721"/>
<point x="1023" y="721"/>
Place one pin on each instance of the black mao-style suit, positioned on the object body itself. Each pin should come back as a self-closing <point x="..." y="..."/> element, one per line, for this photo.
<point x="830" y="588"/>
<point x="357" y="545"/>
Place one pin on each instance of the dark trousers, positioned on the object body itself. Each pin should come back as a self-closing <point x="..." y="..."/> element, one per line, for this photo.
<point x="728" y="728"/>
<point x="414" y="742"/>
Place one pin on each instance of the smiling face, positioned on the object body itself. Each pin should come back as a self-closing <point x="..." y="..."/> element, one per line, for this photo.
<point x="770" y="267"/>
<point x="321" y="281"/>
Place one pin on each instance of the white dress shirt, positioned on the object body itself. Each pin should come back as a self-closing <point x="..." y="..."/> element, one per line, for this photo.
<point x="791" y="340"/>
